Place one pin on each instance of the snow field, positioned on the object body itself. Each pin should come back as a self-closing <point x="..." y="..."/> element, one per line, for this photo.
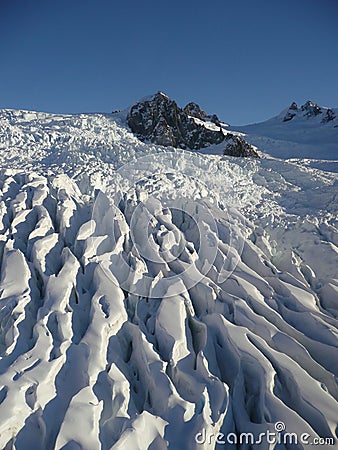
<point x="189" y="292"/>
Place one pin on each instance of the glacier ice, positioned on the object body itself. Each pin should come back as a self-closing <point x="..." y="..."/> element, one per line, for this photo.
<point x="147" y="296"/>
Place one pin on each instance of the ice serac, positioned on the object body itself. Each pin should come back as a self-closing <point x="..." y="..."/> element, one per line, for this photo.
<point x="160" y="120"/>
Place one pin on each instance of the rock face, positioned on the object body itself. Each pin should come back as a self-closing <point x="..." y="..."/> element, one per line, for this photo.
<point x="329" y="116"/>
<point x="311" y="109"/>
<point x="237" y="146"/>
<point x="291" y="112"/>
<point x="194" y="110"/>
<point x="161" y="121"/>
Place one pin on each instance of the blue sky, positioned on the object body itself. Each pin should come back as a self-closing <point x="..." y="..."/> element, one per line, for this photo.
<point x="244" y="60"/>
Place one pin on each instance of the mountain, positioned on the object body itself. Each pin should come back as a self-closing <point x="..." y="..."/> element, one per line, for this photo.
<point x="310" y="110"/>
<point x="152" y="297"/>
<point x="307" y="131"/>
<point x="158" y="119"/>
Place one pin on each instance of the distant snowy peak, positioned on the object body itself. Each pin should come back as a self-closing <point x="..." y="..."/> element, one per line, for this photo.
<point x="158" y="119"/>
<point x="306" y="131"/>
<point x="309" y="110"/>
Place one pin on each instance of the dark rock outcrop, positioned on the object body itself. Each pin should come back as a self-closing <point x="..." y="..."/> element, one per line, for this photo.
<point x="237" y="146"/>
<point x="329" y="116"/>
<point x="311" y="109"/>
<point x="293" y="109"/>
<point x="161" y="121"/>
<point x="194" y="110"/>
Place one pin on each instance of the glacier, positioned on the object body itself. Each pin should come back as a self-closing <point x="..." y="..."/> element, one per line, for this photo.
<point x="150" y="295"/>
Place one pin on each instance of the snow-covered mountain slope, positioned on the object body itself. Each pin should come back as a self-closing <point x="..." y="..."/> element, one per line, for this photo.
<point x="150" y="296"/>
<point x="308" y="131"/>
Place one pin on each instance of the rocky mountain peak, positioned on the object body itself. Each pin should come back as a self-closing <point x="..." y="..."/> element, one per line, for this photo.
<point x="160" y="120"/>
<point x="291" y="112"/>
<point x="161" y="95"/>
<point x="329" y="116"/>
<point x="311" y="109"/>
<point x="194" y="110"/>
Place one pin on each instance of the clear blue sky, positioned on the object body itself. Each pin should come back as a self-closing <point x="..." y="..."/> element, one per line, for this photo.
<point x="244" y="60"/>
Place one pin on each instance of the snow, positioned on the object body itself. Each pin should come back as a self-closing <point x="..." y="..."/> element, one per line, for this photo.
<point x="148" y="293"/>
<point x="206" y="123"/>
<point x="301" y="137"/>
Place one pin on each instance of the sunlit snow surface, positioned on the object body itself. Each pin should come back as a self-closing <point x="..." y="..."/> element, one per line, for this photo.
<point x="148" y="294"/>
<point x="300" y="137"/>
